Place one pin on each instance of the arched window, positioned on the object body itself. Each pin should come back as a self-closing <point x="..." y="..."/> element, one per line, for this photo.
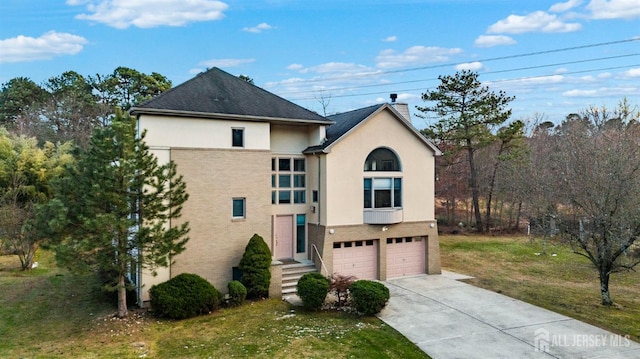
<point x="382" y="159"/>
<point x="382" y="192"/>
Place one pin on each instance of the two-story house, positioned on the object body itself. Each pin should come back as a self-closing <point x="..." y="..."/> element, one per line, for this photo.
<point x="351" y="193"/>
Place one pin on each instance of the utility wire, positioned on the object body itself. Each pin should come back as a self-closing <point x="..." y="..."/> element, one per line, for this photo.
<point x="377" y="73"/>
<point x="495" y="81"/>
<point x="483" y="73"/>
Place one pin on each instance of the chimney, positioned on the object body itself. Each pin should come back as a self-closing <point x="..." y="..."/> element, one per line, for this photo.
<point x="401" y="107"/>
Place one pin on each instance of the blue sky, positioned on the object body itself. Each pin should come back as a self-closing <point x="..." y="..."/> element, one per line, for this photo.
<point x="555" y="57"/>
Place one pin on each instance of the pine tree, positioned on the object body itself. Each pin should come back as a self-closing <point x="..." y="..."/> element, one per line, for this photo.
<point x="117" y="208"/>
<point x="467" y="115"/>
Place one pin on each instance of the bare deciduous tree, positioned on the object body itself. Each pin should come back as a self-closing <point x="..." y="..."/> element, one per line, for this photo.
<point x="597" y="176"/>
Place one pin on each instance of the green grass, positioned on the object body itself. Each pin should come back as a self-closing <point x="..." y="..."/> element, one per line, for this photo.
<point x="565" y="282"/>
<point x="48" y="313"/>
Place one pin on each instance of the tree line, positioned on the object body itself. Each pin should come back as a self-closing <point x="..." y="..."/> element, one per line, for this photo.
<point x="69" y="106"/>
<point x="578" y="179"/>
<point x="77" y="178"/>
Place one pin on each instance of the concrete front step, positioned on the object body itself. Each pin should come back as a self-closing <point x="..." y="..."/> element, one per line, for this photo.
<point x="291" y="273"/>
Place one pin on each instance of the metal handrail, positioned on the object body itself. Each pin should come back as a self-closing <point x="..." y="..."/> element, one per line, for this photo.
<point x="320" y="258"/>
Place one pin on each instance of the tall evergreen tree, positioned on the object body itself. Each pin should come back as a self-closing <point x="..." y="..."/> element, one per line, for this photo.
<point x="117" y="209"/>
<point x="466" y="113"/>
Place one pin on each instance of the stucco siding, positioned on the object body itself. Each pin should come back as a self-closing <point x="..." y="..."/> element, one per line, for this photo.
<point x="290" y="139"/>
<point x="345" y="173"/>
<point x="202" y="133"/>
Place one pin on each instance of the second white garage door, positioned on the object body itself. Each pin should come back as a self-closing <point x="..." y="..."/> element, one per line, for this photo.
<point x="405" y="256"/>
<point x="356" y="258"/>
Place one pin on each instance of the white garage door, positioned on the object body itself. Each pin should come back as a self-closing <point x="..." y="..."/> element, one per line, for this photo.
<point x="405" y="256"/>
<point x="356" y="258"/>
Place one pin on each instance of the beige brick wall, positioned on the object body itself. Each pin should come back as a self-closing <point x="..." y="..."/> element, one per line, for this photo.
<point x="214" y="178"/>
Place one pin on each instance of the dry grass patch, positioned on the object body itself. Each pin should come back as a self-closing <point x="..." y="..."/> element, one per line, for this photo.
<point x="48" y="313"/>
<point x="560" y="280"/>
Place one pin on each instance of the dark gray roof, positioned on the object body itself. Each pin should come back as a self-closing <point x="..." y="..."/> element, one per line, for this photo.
<point x="343" y="122"/>
<point x="346" y="121"/>
<point x="215" y="92"/>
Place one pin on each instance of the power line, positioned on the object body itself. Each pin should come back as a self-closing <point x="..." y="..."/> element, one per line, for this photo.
<point x="535" y="53"/>
<point x="503" y="80"/>
<point x="484" y="73"/>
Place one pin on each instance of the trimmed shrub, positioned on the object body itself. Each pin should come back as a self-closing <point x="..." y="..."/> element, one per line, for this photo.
<point x="312" y="289"/>
<point x="369" y="297"/>
<point x="255" y="264"/>
<point x="237" y="293"/>
<point x="184" y="296"/>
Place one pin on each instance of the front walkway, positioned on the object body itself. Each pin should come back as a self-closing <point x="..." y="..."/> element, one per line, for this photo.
<point x="450" y="319"/>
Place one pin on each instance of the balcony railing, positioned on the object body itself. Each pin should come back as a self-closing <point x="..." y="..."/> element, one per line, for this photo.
<point x="383" y="215"/>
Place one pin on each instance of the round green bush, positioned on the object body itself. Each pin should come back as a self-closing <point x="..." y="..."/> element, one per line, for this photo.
<point x="255" y="265"/>
<point x="312" y="289"/>
<point x="237" y="293"/>
<point x="184" y="296"/>
<point x="369" y="297"/>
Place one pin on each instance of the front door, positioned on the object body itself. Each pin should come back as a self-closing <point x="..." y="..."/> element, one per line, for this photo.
<point x="284" y="237"/>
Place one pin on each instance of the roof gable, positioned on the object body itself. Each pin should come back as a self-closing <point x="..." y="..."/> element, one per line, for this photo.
<point x="346" y="122"/>
<point x="216" y="92"/>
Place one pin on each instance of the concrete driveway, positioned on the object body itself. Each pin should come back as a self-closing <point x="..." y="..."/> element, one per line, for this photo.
<point x="450" y="319"/>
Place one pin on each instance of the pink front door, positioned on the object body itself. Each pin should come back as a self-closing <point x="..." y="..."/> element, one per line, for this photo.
<point x="284" y="237"/>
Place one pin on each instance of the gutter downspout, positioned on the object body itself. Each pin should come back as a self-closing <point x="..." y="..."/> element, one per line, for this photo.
<point x="139" y="300"/>
<point x="319" y="190"/>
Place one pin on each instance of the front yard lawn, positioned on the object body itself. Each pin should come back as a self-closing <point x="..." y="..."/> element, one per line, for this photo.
<point x="48" y="313"/>
<point x="560" y="281"/>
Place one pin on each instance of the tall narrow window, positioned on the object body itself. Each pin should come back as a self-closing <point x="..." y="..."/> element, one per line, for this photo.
<point x="301" y="221"/>
<point x="397" y="192"/>
<point x="367" y="193"/>
<point x="239" y="210"/>
<point x="237" y="137"/>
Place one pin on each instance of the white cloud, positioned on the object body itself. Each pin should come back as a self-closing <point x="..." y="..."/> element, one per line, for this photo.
<point x="580" y="93"/>
<point x="526" y="82"/>
<point x="614" y="9"/>
<point x="295" y="67"/>
<point x="605" y="75"/>
<point x="339" y="67"/>
<point x="565" y="6"/>
<point x="473" y="66"/>
<point x="493" y="40"/>
<point x="633" y="73"/>
<point x="24" y="48"/>
<point x="225" y="62"/>
<point x="602" y="92"/>
<point x="150" y="13"/>
<point x="538" y="21"/>
<point x="390" y="39"/>
<point x="259" y="28"/>
<point x="415" y="55"/>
